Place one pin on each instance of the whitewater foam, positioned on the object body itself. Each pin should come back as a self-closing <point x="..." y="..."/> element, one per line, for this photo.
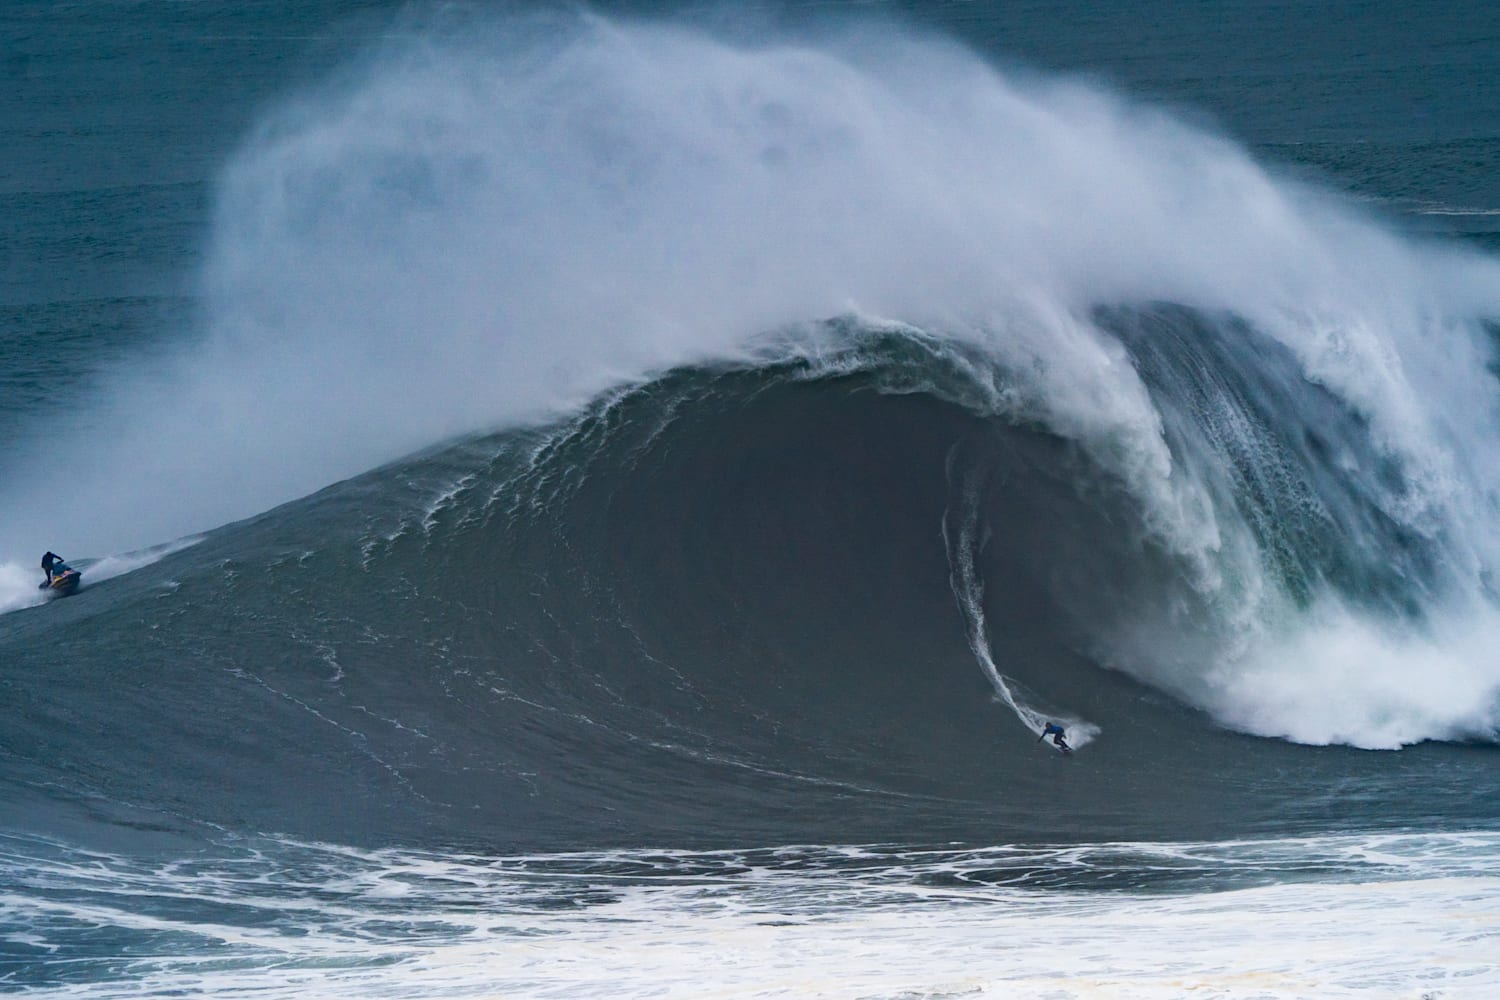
<point x="1334" y="916"/>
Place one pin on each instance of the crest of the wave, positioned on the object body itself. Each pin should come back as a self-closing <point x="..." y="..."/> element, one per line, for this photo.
<point x="481" y="224"/>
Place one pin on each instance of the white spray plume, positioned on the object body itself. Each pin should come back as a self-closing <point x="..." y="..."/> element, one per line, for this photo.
<point x="472" y="228"/>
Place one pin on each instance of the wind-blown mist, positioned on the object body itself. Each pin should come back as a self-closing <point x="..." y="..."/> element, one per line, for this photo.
<point x="473" y="229"/>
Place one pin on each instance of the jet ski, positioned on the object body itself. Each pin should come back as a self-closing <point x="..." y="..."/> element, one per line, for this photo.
<point x="65" y="580"/>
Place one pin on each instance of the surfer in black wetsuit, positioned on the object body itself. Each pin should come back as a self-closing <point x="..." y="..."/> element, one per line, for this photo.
<point x="1055" y="731"/>
<point x="49" y="560"/>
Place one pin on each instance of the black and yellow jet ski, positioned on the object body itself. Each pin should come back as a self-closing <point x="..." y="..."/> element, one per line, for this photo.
<point x="65" y="580"/>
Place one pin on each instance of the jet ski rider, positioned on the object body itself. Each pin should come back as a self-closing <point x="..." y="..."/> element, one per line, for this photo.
<point x="50" y="560"/>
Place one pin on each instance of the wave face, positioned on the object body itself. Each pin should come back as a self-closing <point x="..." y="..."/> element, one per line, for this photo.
<point x="791" y="601"/>
<point x="832" y="414"/>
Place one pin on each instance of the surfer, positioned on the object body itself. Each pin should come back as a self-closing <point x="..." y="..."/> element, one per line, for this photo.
<point x="49" y="560"/>
<point x="1055" y="731"/>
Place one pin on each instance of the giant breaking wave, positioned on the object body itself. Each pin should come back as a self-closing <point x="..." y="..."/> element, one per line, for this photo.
<point x="1224" y="433"/>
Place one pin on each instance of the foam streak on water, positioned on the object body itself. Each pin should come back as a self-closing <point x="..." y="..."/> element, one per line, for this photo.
<point x="1384" y="916"/>
<point x="963" y="546"/>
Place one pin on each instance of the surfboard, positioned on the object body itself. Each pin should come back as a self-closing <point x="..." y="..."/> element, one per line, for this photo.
<point x="1048" y="740"/>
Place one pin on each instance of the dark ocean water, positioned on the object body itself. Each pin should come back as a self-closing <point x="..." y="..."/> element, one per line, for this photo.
<point x="530" y="466"/>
